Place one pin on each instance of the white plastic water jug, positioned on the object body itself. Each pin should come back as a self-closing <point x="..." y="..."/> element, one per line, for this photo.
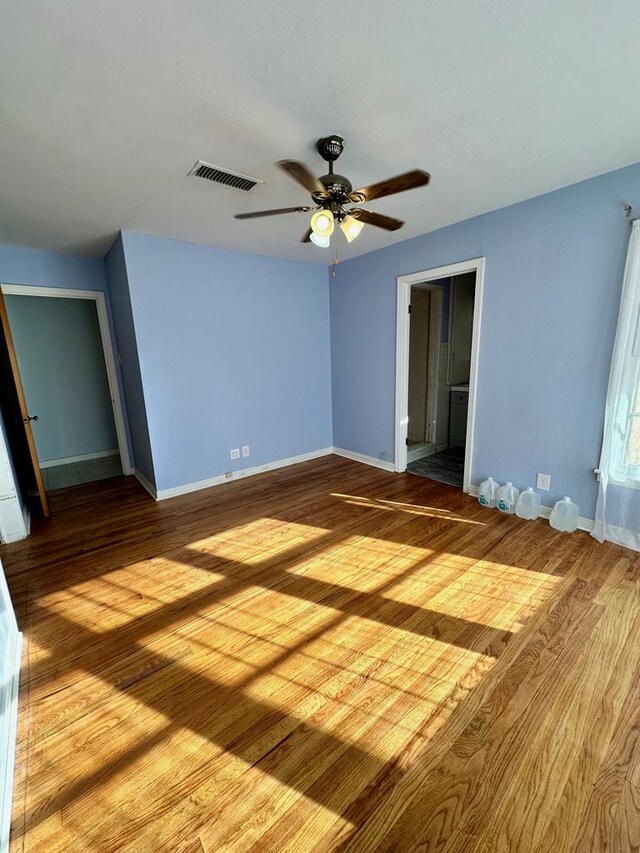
<point x="564" y="515"/>
<point x="528" y="505"/>
<point x="488" y="495"/>
<point x="508" y="498"/>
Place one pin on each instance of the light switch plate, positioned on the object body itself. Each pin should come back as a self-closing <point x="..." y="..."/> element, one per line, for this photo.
<point x="245" y="450"/>
<point x="235" y="453"/>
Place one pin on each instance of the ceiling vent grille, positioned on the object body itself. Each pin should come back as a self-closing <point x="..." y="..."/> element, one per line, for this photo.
<point x="236" y="180"/>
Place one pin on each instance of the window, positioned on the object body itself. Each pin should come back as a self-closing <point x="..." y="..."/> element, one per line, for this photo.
<point x="618" y="505"/>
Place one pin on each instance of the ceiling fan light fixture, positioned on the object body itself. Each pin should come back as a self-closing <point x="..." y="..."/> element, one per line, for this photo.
<point x="322" y="223"/>
<point x="323" y="242"/>
<point x="331" y="193"/>
<point x="351" y="227"/>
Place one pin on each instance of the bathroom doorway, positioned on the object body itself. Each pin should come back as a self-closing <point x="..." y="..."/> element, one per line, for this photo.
<point x="436" y="370"/>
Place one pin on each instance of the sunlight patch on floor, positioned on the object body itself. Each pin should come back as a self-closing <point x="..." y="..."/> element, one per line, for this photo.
<point x="457" y="571"/>
<point x="258" y="540"/>
<point x="331" y="654"/>
<point x="274" y="645"/>
<point x="177" y="754"/>
<point x="124" y="608"/>
<point x="358" y="555"/>
<point x="409" y="509"/>
<point x="488" y="593"/>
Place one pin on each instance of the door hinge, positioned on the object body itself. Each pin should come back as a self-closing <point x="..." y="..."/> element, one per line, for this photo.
<point x="406" y="441"/>
<point x="409" y="309"/>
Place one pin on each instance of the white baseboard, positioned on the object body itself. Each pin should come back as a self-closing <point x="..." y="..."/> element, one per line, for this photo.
<point x="366" y="460"/>
<point x="8" y="749"/>
<point x="82" y="457"/>
<point x="585" y="524"/>
<point x="221" y="479"/>
<point x="146" y="484"/>
<point x="420" y="452"/>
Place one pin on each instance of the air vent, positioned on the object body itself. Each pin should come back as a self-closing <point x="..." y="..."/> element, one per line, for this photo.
<point x="236" y="180"/>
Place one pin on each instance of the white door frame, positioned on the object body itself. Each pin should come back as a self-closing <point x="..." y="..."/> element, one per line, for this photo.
<point x="405" y="283"/>
<point x="103" y="321"/>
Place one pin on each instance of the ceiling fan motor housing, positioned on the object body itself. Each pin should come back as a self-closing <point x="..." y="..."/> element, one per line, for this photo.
<point x="338" y="187"/>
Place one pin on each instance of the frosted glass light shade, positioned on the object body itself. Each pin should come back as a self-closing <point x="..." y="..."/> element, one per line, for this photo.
<point x="351" y="227"/>
<point x="323" y="242"/>
<point x="322" y="223"/>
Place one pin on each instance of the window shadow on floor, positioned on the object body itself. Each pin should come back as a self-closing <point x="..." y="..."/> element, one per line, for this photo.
<point x="184" y="537"/>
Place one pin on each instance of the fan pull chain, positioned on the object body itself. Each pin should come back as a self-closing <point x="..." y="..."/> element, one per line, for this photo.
<point x="335" y="266"/>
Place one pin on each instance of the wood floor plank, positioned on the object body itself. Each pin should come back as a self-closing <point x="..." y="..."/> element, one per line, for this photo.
<point x="541" y="751"/>
<point x="324" y="657"/>
<point x="426" y="805"/>
<point x="567" y="823"/>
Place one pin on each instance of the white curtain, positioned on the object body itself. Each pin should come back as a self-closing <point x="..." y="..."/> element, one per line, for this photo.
<point x="618" y="507"/>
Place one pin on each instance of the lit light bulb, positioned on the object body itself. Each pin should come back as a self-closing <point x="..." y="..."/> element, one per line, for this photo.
<point x="322" y="223"/>
<point x="351" y="227"/>
<point x="323" y="242"/>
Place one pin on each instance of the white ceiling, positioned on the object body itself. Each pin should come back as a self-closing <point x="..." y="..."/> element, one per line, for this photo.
<point x="105" y="106"/>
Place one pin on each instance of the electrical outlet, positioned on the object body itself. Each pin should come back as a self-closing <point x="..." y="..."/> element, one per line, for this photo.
<point x="544" y="482"/>
<point x="245" y="450"/>
<point x="228" y="475"/>
<point x="235" y="453"/>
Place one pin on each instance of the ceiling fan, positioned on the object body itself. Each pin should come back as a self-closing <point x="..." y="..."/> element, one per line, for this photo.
<point x="331" y="193"/>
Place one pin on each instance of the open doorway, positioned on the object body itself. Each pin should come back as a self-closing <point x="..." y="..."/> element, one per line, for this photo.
<point x="66" y="371"/>
<point x="436" y="368"/>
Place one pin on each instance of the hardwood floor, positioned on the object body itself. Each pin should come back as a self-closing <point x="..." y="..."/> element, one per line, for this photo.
<point x="324" y="657"/>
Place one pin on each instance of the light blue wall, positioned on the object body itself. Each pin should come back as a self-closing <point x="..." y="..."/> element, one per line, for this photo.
<point x="129" y="363"/>
<point x="63" y="373"/>
<point x="224" y="348"/>
<point x="234" y="349"/>
<point x="20" y="265"/>
<point x="553" y="278"/>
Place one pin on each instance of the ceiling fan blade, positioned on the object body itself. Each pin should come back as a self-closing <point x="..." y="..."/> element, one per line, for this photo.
<point x="300" y="173"/>
<point x="407" y="181"/>
<point x="307" y="236"/>
<point x="377" y="219"/>
<point x="276" y="212"/>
